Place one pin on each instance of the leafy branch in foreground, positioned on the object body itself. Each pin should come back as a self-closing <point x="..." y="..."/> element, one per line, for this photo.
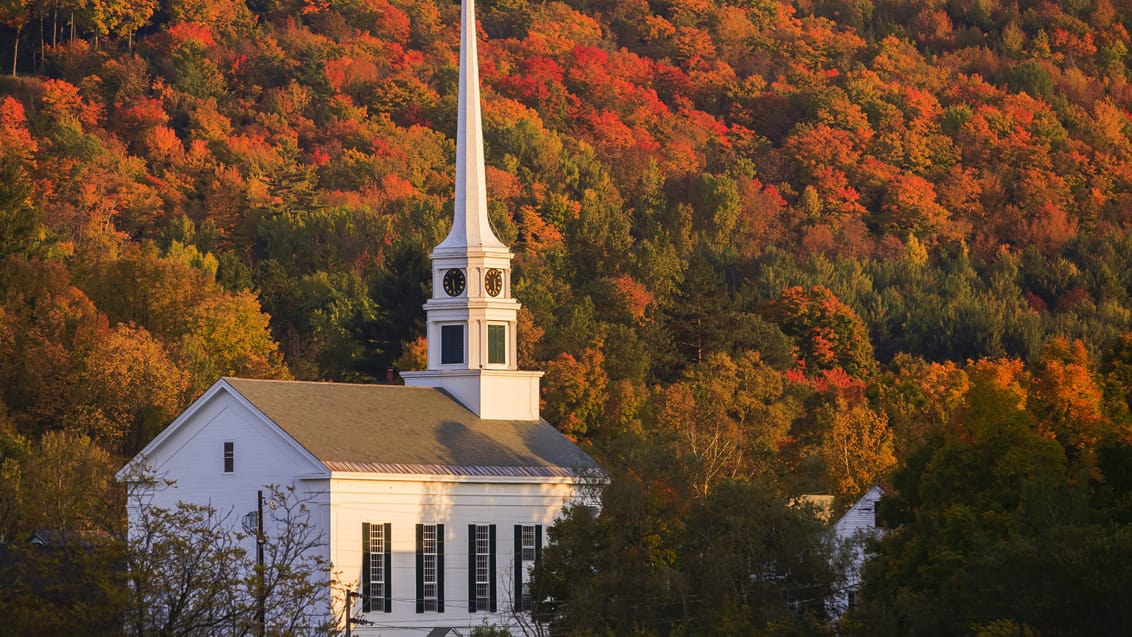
<point x="192" y="570"/>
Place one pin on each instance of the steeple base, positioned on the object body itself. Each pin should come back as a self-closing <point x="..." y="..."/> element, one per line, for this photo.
<point x="491" y="394"/>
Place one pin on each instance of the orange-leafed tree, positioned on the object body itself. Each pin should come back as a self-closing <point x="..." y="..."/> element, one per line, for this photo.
<point x="414" y="355"/>
<point x="730" y="415"/>
<point x="921" y="400"/>
<point x="1006" y="378"/>
<point x="1067" y="399"/>
<point x="909" y="204"/>
<point x="127" y="389"/>
<point x="15" y="138"/>
<point x="857" y="446"/>
<point x="575" y="392"/>
<point x="225" y="18"/>
<point x="51" y="326"/>
<point x="828" y="333"/>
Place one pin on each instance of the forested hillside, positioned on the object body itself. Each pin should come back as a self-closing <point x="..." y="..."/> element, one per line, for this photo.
<point x="795" y="247"/>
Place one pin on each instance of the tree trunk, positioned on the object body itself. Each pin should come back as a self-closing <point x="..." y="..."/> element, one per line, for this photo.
<point x="16" y="50"/>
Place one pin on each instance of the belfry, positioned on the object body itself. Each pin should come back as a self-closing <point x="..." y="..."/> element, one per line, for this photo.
<point x="472" y="317"/>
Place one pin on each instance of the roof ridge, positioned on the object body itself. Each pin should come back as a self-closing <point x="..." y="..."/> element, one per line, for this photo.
<point x="325" y="383"/>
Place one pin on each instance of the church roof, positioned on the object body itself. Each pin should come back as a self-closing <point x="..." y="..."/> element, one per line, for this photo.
<point x="397" y="429"/>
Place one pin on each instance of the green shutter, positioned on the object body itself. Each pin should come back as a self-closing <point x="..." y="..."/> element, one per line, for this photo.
<point x="497" y="344"/>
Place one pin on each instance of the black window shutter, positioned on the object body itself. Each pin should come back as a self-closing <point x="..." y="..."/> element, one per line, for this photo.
<point x="365" y="567"/>
<point x="388" y="567"/>
<point x="471" y="568"/>
<point x="420" y="568"/>
<point x="538" y="556"/>
<point x="451" y="344"/>
<point x="517" y="597"/>
<point x="491" y="563"/>
<point x="440" y="568"/>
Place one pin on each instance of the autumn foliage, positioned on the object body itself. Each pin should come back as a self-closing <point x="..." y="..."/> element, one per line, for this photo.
<point x="793" y="242"/>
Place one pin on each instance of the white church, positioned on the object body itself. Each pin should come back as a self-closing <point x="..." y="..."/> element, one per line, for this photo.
<point x="434" y="498"/>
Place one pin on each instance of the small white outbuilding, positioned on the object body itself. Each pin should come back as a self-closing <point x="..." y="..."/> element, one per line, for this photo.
<point x="851" y="532"/>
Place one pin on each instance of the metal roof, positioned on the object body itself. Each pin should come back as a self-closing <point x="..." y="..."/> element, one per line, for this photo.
<point x="455" y="470"/>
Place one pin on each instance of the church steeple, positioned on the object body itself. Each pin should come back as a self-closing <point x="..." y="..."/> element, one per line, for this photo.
<point x="472" y="319"/>
<point x="470" y="227"/>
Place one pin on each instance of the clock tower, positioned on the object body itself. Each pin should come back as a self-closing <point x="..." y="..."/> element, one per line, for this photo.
<point x="471" y="315"/>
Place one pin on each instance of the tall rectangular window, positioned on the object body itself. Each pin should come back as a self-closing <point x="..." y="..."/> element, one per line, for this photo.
<point x="481" y="567"/>
<point x="430" y="568"/>
<point x="229" y="457"/>
<point x="528" y="547"/>
<point x="497" y="344"/>
<point x="451" y="344"/>
<point x="429" y="574"/>
<point x="528" y="552"/>
<point x="377" y="569"/>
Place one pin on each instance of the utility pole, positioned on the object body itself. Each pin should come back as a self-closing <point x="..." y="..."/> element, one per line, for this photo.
<point x="260" y="602"/>
<point x="256" y="525"/>
<point x="350" y="595"/>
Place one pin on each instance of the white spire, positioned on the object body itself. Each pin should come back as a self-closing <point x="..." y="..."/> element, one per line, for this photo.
<point x="472" y="318"/>
<point x="470" y="225"/>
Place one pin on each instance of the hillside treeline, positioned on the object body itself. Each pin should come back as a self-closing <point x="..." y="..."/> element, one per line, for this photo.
<point x="786" y="244"/>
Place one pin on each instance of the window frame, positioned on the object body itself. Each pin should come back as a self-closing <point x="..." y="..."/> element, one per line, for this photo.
<point x="526" y="556"/>
<point x="449" y="347"/>
<point x="430" y="568"/>
<point x="229" y="456"/>
<point x="431" y="594"/>
<point x="481" y="568"/>
<point x="377" y="568"/>
<point x="496" y="343"/>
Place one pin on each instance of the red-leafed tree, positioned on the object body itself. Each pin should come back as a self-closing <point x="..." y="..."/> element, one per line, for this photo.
<point x="828" y="333"/>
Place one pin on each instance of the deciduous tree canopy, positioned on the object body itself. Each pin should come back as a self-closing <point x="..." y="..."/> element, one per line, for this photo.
<point x="788" y="243"/>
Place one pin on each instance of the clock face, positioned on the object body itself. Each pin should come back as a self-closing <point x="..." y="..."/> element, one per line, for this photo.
<point x="454" y="282"/>
<point x="493" y="282"/>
